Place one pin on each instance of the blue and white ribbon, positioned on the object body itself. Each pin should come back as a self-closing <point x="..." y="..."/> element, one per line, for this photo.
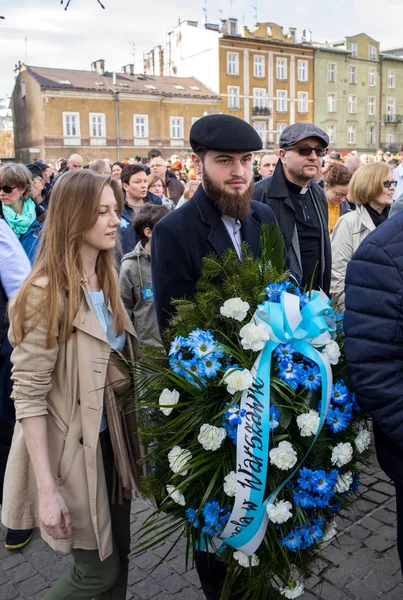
<point x="305" y="330"/>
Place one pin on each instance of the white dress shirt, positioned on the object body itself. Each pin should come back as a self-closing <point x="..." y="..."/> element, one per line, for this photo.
<point x="233" y="226"/>
<point x="14" y="263"/>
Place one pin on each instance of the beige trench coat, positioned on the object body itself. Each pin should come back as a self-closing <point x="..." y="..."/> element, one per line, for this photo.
<point x="66" y="384"/>
<point x="350" y="230"/>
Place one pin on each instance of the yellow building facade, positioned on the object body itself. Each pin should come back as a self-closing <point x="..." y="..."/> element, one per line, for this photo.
<point x="117" y="116"/>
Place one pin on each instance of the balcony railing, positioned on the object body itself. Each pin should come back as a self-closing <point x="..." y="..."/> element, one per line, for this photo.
<point x="263" y="112"/>
<point x="392" y="118"/>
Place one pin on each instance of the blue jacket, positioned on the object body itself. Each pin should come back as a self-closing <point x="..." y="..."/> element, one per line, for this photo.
<point x="373" y="324"/>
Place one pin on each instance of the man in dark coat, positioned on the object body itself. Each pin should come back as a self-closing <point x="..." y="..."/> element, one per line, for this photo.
<point x="299" y="203"/>
<point x="373" y="324"/>
<point x="219" y="216"/>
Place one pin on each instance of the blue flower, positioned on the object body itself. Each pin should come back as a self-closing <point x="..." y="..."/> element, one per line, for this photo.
<point x="190" y="515"/>
<point x="177" y="366"/>
<point x="234" y="414"/>
<point x="284" y="351"/>
<point x="274" y="417"/>
<point x="340" y="393"/>
<point x="356" y="482"/>
<point x="311" y="378"/>
<point x="209" y="366"/>
<point x="293" y="540"/>
<point x="193" y="369"/>
<point x="274" y="290"/>
<point x="305" y="479"/>
<point x="176" y="345"/>
<point x="304" y="300"/>
<point x="336" y="419"/>
<point x="201" y="343"/>
<point x="323" y="501"/>
<point x="336" y="507"/>
<point x="356" y="406"/>
<point x="290" y="372"/>
<point x="304" y="499"/>
<point x="211" y="512"/>
<point x="322" y="483"/>
<point x="310" y="534"/>
<point x="338" y="318"/>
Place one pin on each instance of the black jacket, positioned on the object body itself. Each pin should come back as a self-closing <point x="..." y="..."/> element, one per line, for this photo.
<point x="128" y="237"/>
<point x="274" y="192"/>
<point x="184" y="237"/>
<point x="373" y="323"/>
<point x="175" y="188"/>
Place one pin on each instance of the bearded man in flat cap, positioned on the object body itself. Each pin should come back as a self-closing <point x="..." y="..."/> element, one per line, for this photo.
<point x="220" y="215"/>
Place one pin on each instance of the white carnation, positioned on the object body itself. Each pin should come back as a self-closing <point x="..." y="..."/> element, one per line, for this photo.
<point x="235" y="308"/>
<point x="284" y="456"/>
<point x="237" y="380"/>
<point x="330" y="532"/>
<point x="179" y="460"/>
<point x="344" y="482"/>
<point x="176" y="495"/>
<point x="211" y="437"/>
<point x="363" y="440"/>
<point x="293" y="592"/>
<point x="230" y="484"/>
<point x="168" y="398"/>
<point x="254" y="337"/>
<point x="342" y="454"/>
<point x="308" y="423"/>
<point x="245" y="560"/>
<point x="279" y="512"/>
<point x="332" y="351"/>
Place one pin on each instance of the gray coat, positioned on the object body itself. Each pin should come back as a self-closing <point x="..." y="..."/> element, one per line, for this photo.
<point x="137" y="294"/>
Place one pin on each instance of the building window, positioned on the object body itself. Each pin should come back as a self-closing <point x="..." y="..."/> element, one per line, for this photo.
<point x="233" y="97"/>
<point x="281" y="68"/>
<point x="302" y="70"/>
<point x="389" y="137"/>
<point x="23" y="89"/>
<point x="331" y="103"/>
<point x="260" y="128"/>
<point x="371" y="134"/>
<point x="331" y="72"/>
<point x="331" y="132"/>
<point x="353" y="47"/>
<point x="390" y="109"/>
<point x="391" y="79"/>
<point x="232" y="28"/>
<point x="371" y="106"/>
<point x="372" y="53"/>
<point x="351" y="134"/>
<point x="176" y="128"/>
<point x="259" y="98"/>
<point x="71" y="128"/>
<point x="302" y="102"/>
<point x="352" y="105"/>
<point x="97" y="125"/>
<point x="352" y="75"/>
<point x="258" y="66"/>
<point x="280" y="129"/>
<point x="281" y="101"/>
<point x="371" y="77"/>
<point x="232" y="63"/>
<point x="140" y="125"/>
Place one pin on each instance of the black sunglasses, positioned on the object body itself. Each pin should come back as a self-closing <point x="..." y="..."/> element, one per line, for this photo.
<point x="390" y="182"/>
<point x="7" y="188"/>
<point x="307" y="150"/>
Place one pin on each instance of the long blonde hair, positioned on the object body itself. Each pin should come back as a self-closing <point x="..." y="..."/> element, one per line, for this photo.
<point x="73" y="210"/>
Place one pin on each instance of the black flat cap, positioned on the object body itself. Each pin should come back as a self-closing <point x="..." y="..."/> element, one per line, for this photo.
<point x="42" y="166"/>
<point x="293" y="134"/>
<point x="224" y="132"/>
<point x="35" y="170"/>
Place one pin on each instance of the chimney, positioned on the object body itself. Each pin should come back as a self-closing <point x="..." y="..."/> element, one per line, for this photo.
<point x="128" y="69"/>
<point x="114" y="78"/>
<point x="99" y="66"/>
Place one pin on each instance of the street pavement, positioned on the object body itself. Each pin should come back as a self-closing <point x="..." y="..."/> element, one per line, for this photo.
<point x="360" y="563"/>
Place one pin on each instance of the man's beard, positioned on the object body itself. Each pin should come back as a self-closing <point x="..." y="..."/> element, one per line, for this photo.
<point x="236" y="204"/>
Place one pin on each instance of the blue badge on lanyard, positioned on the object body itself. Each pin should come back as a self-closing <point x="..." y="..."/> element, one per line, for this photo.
<point x="148" y="293"/>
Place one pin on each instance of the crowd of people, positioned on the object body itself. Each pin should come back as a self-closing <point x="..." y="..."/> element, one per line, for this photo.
<point x="92" y="258"/>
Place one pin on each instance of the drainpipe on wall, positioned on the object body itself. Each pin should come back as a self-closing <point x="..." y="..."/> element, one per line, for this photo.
<point x="116" y="96"/>
<point x="380" y="103"/>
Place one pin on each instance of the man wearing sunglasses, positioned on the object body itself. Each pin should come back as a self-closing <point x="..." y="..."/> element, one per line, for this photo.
<point x="300" y="204"/>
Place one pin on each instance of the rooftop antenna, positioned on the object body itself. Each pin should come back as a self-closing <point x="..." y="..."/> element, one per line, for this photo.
<point x="204" y="9"/>
<point x="26" y="49"/>
<point x="254" y="6"/>
<point x="230" y="8"/>
<point x="132" y="55"/>
<point x="221" y="13"/>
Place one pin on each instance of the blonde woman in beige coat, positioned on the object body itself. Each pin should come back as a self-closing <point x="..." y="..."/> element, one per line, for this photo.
<point x="371" y="189"/>
<point x="71" y="469"/>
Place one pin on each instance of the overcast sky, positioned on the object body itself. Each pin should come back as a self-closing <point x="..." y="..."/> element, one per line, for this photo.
<point x="84" y="33"/>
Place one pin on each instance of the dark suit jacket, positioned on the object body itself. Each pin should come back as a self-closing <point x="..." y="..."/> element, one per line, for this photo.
<point x="184" y="237"/>
<point x="273" y="191"/>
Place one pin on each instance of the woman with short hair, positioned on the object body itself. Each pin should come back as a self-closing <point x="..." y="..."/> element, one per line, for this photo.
<point x="336" y="182"/>
<point x="156" y="186"/>
<point x="71" y="470"/>
<point x="371" y="189"/>
<point x="18" y="208"/>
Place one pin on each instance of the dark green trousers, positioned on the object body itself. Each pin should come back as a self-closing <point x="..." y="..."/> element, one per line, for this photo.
<point x="90" y="577"/>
